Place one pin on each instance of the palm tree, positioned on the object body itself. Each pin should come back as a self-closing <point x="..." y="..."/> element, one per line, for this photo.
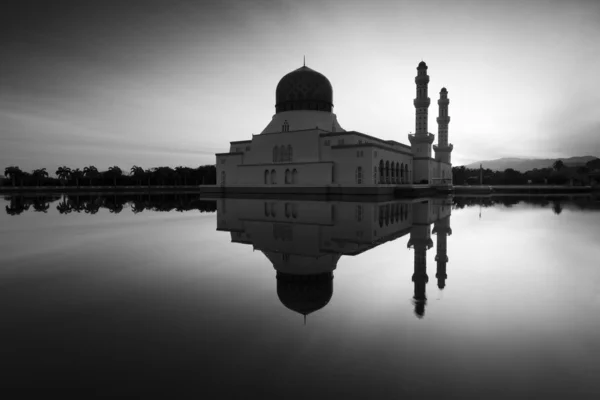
<point x="148" y="173"/>
<point x="64" y="207"/>
<point x="138" y="173"/>
<point x="63" y="173"/>
<point x="183" y="172"/>
<point x="12" y="173"/>
<point x="114" y="172"/>
<point x="558" y="165"/>
<point x="77" y="174"/>
<point x="40" y="204"/>
<point x="90" y="172"/>
<point x="39" y="174"/>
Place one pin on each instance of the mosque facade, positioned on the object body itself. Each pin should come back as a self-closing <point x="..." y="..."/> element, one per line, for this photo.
<point x="304" y="145"/>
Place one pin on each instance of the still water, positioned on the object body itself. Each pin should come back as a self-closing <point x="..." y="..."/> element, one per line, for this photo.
<point x="454" y="298"/>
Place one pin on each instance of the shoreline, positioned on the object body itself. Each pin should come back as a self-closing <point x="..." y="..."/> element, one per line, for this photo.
<point x="397" y="191"/>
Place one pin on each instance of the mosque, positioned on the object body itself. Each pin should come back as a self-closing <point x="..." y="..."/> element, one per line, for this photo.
<point x="304" y="240"/>
<point x="304" y="145"/>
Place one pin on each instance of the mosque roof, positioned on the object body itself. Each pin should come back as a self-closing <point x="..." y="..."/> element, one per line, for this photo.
<point x="304" y="88"/>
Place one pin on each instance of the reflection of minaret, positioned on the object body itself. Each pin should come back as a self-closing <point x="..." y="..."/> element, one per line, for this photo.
<point x="442" y="229"/>
<point x="420" y="240"/>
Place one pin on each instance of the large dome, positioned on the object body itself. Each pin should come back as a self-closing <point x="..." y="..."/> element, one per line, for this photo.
<point x="304" y="294"/>
<point x="304" y="89"/>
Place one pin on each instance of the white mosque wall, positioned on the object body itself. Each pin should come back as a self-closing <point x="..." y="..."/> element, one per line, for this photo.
<point x="273" y="148"/>
<point x="227" y="168"/>
<point x="422" y="170"/>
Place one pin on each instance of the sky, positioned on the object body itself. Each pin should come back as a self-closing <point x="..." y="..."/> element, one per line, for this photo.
<point x="168" y="83"/>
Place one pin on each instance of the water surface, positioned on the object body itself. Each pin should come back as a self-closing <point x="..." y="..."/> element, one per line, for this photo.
<point x="297" y="299"/>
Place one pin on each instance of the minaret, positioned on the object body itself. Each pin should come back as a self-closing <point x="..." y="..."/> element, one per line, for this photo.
<point x="443" y="149"/>
<point x="420" y="240"/>
<point x="421" y="141"/>
<point x="442" y="229"/>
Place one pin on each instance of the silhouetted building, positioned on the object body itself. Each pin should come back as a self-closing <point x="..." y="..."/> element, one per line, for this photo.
<point x="304" y="145"/>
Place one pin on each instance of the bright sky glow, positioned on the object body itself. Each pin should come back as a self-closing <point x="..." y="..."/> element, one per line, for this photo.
<point x="172" y="82"/>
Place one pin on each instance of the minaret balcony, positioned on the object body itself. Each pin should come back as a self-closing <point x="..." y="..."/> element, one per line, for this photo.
<point x="422" y="79"/>
<point x="443" y="120"/>
<point x="443" y="149"/>
<point x="422" y="103"/>
<point x="443" y="102"/>
<point x="421" y="138"/>
<point x="426" y="243"/>
<point x="442" y="230"/>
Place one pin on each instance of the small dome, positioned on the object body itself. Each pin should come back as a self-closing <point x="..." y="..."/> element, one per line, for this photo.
<point x="304" y="89"/>
<point x="444" y="90"/>
<point x="422" y="65"/>
<point x="304" y="294"/>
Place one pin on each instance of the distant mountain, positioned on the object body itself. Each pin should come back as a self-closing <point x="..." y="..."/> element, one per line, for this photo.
<point x="527" y="164"/>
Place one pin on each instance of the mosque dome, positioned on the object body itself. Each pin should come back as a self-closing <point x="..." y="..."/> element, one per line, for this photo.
<point x="304" y="294"/>
<point x="304" y="89"/>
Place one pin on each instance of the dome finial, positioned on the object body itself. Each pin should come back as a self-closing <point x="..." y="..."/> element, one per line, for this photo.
<point x="304" y="62"/>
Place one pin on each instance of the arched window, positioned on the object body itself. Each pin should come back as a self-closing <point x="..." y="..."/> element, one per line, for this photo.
<point x="381" y="171"/>
<point x="266" y="176"/>
<point x="290" y="153"/>
<point x="393" y="172"/>
<point x="295" y="210"/>
<point x="401" y="172"/>
<point x="295" y="176"/>
<point x="288" y="176"/>
<point x="266" y="209"/>
<point x="288" y="210"/>
<point x="359" y="175"/>
<point x="387" y="214"/>
<point x="359" y="213"/>
<point x="275" y="154"/>
<point x="406" y="177"/>
<point x="397" y="173"/>
<point x="374" y="174"/>
<point x="222" y="178"/>
<point x="273" y="211"/>
<point x="282" y="154"/>
<point x="387" y="172"/>
<point x="273" y="177"/>
<point x="381" y="208"/>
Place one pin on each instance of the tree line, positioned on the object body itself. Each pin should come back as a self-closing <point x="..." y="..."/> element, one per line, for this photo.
<point x="113" y="176"/>
<point x="114" y="203"/>
<point x="558" y="174"/>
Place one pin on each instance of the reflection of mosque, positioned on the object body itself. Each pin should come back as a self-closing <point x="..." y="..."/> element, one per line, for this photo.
<point x="305" y="239"/>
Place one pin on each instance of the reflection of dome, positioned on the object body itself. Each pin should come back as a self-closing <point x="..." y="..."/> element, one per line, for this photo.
<point x="304" y="293"/>
<point x="304" y="89"/>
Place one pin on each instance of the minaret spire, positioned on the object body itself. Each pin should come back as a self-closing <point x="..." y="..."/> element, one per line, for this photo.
<point x="421" y="141"/>
<point x="304" y="62"/>
<point x="443" y="149"/>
